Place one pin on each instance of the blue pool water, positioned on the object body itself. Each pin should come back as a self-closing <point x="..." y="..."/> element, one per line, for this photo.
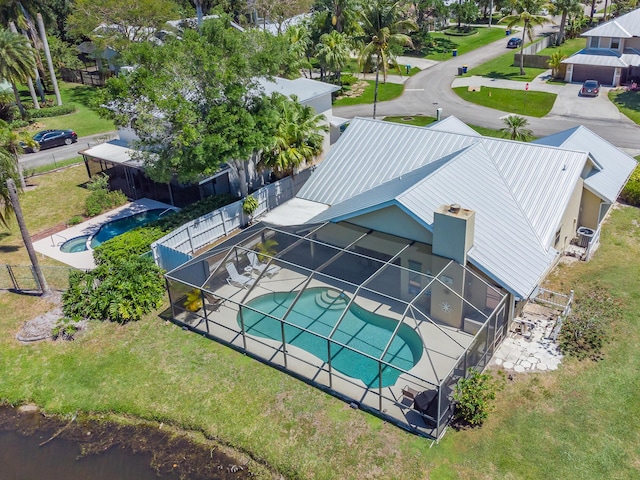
<point x="360" y="329"/>
<point x="112" y="229"/>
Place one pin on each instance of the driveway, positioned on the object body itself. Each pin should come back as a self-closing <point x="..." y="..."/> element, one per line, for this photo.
<point x="570" y="104"/>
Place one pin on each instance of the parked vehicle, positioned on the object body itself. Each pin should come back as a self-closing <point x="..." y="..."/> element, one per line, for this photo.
<point x="590" y="88"/>
<point x="52" y="138"/>
<point x="514" y="42"/>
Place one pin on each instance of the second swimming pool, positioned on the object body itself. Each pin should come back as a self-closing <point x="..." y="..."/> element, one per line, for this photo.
<point x="360" y="329"/>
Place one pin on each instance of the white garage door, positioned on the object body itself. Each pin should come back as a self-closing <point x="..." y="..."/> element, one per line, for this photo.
<point x="586" y="72"/>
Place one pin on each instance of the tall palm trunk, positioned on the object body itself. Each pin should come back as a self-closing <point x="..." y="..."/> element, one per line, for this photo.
<point x="16" y="94"/>
<point x="13" y="194"/>
<point x="32" y="91"/>
<point x="563" y="24"/>
<point x="524" y="34"/>
<point x="375" y="92"/>
<point x="47" y="52"/>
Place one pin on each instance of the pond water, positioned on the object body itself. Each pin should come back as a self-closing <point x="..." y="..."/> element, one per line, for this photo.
<point x="34" y="446"/>
<point x="21" y="457"/>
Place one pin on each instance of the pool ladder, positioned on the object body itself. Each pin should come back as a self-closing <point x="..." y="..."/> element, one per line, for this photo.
<point x="54" y="244"/>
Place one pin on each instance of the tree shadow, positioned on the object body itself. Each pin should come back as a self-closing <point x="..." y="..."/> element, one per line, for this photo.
<point x="630" y="100"/>
<point x="504" y="75"/>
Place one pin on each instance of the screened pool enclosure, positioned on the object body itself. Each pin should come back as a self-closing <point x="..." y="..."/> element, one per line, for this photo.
<point x="372" y="318"/>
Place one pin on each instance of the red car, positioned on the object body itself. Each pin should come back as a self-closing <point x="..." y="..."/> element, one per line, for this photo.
<point x="590" y="88"/>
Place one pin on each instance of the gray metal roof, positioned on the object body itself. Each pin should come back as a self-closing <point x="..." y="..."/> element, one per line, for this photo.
<point x="453" y="125"/>
<point x="626" y="26"/>
<point x="615" y="166"/>
<point x="303" y="88"/>
<point x="596" y="58"/>
<point x="114" y="151"/>
<point x="519" y="190"/>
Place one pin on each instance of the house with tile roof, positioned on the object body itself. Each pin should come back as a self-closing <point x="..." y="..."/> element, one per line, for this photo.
<point x="612" y="54"/>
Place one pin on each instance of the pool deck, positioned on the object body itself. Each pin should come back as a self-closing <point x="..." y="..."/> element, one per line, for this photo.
<point x="50" y="246"/>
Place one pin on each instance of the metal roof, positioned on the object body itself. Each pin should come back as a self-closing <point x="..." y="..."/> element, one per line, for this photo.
<point x="615" y="165"/>
<point x="303" y="88"/>
<point x="453" y="125"/>
<point x="626" y="26"/>
<point x="596" y="58"/>
<point x="519" y="191"/>
<point x="114" y="151"/>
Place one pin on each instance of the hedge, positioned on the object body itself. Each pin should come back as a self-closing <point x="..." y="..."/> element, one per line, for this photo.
<point x="51" y="111"/>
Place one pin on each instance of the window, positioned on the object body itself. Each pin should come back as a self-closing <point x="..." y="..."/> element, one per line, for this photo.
<point x="557" y="241"/>
<point x="615" y="43"/>
<point x="595" y="42"/>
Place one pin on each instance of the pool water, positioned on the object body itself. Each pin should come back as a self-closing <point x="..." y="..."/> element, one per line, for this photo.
<point x="360" y="329"/>
<point x="111" y="229"/>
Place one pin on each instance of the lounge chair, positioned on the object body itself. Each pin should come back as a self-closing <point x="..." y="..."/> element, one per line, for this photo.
<point x="238" y="280"/>
<point x="258" y="267"/>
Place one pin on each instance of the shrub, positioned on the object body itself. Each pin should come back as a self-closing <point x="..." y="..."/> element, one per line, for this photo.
<point x="346" y="79"/>
<point x="173" y="220"/>
<point x="75" y="220"/>
<point x="133" y="242"/>
<point x="631" y="191"/>
<point x="120" y="291"/>
<point x="66" y="328"/>
<point x="473" y="397"/>
<point x="50" y="111"/>
<point x="18" y="124"/>
<point x="249" y="205"/>
<point x="101" y="199"/>
<point x="586" y="329"/>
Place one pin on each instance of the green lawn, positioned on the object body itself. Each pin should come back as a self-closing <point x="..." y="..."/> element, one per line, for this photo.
<point x="569" y="47"/>
<point x="446" y="43"/>
<point x="422" y="121"/>
<point x="627" y="102"/>
<point x="55" y="165"/>
<point x="580" y="422"/>
<point x="386" y="91"/>
<point x="521" y="102"/>
<point x="85" y="121"/>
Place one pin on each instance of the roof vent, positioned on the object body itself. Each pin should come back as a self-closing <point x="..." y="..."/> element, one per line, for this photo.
<point x="454" y="208"/>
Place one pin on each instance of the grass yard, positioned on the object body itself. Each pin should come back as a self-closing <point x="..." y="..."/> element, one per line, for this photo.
<point x="569" y="47"/>
<point x="464" y="44"/>
<point x="577" y="423"/>
<point x="502" y="67"/>
<point x="521" y="102"/>
<point x="627" y="102"/>
<point x="85" y="120"/>
<point x="386" y="91"/>
<point x="422" y="121"/>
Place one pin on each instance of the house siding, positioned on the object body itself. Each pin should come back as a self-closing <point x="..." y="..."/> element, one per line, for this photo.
<point x="589" y="210"/>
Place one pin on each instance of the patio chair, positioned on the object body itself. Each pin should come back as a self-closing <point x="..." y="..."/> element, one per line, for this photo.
<point x="212" y="301"/>
<point x="238" y="280"/>
<point x="259" y="267"/>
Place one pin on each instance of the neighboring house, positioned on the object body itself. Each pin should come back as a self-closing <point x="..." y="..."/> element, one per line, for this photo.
<point x="118" y="160"/>
<point x="402" y="261"/>
<point x="612" y="55"/>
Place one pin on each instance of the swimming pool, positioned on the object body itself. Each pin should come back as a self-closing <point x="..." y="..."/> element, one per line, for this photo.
<point x="110" y="230"/>
<point x="360" y="329"/>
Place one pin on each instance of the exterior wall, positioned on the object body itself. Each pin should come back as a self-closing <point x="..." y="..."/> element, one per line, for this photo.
<point x="394" y="221"/>
<point x="569" y="222"/>
<point x="589" y="210"/>
<point x="632" y="43"/>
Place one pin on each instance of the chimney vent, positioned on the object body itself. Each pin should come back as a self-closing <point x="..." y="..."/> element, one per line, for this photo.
<point x="454" y="208"/>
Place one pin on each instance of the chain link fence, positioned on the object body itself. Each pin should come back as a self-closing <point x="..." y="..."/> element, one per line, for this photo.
<point x="23" y="277"/>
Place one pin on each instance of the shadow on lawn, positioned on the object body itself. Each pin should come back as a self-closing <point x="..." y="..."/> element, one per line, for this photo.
<point x="630" y="100"/>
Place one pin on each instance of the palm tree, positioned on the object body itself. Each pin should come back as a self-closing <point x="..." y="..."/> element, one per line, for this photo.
<point x="555" y="60"/>
<point x="381" y="29"/>
<point x="299" y="40"/>
<point x="8" y="170"/>
<point x="564" y="7"/>
<point x="298" y="136"/>
<point x="16" y="62"/>
<point x="516" y="128"/>
<point x="528" y="16"/>
<point x="333" y="53"/>
<point x="13" y="143"/>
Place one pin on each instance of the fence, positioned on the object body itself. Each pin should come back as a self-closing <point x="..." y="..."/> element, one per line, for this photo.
<point x="531" y="59"/>
<point x="86" y="77"/>
<point x="23" y="278"/>
<point x="182" y="244"/>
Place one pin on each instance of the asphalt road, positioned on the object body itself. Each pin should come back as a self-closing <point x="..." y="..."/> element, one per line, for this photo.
<point x="431" y="89"/>
<point x="65" y="152"/>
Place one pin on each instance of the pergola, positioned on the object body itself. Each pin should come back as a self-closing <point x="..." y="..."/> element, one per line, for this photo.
<point x="372" y="318"/>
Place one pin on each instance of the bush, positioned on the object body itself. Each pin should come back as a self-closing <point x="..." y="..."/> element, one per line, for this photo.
<point x="586" y="329"/>
<point x="346" y="79"/>
<point x="18" y="124"/>
<point x="174" y="220"/>
<point x="473" y="398"/>
<point x="249" y="205"/>
<point x="120" y="291"/>
<point x="133" y="242"/>
<point x="75" y="220"/>
<point x="66" y="328"/>
<point x="101" y="199"/>
<point x="631" y="191"/>
<point x="51" y="111"/>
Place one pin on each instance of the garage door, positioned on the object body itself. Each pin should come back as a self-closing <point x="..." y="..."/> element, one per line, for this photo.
<point x="586" y="72"/>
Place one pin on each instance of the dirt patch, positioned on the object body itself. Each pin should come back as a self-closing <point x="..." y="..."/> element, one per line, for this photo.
<point x="170" y="451"/>
<point x="48" y="232"/>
